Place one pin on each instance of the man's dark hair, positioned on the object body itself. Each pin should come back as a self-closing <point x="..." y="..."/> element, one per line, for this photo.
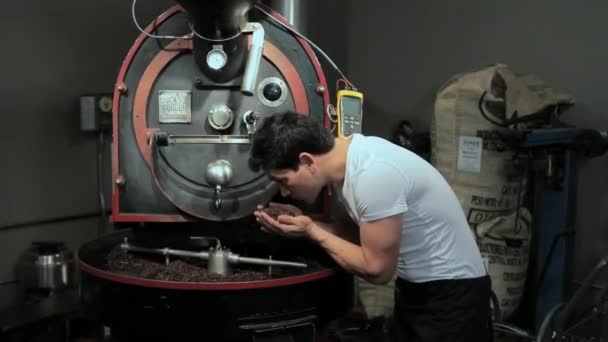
<point x="279" y="140"/>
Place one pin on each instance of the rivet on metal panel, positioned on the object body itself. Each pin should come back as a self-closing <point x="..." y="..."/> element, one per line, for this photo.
<point x="122" y="88"/>
<point x="120" y="180"/>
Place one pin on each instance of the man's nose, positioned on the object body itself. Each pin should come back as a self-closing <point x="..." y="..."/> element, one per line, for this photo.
<point x="284" y="191"/>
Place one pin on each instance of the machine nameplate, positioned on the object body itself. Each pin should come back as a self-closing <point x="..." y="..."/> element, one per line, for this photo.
<point x="174" y="106"/>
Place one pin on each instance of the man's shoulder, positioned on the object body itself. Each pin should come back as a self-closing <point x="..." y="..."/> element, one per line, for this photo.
<point x="370" y="140"/>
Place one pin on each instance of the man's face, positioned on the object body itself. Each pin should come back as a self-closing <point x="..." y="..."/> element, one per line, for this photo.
<point x="301" y="184"/>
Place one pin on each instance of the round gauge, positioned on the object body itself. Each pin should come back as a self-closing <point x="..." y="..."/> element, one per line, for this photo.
<point x="105" y="104"/>
<point x="216" y="59"/>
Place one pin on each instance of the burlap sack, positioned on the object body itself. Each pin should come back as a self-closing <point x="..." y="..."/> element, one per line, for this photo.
<point x="470" y="112"/>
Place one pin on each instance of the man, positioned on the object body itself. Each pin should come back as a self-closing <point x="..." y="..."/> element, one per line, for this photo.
<point x="410" y="222"/>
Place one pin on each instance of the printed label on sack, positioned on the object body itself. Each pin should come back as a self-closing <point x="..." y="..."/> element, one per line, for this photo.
<point x="469" y="154"/>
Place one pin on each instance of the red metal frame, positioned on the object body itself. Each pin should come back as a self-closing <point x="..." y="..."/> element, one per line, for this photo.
<point x="120" y="88"/>
<point x="259" y="284"/>
<point x="143" y="133"/>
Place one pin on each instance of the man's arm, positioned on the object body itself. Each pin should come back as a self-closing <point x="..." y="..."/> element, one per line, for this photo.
<point x="340" y="229"/>
<point x="375" y="260"/>
<point x="327" y="226"/>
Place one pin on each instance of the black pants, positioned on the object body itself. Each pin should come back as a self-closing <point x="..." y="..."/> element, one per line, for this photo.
<point x="443" y="311"/>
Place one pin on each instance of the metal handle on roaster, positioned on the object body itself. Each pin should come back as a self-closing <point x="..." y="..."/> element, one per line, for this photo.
<point x="232" y="257"/>
<point x="266" y="262"/>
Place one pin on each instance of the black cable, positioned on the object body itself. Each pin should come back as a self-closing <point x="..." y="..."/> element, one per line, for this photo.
<point x="543" y="272"/>
<point x="51" y="220"/>
<point x="8" y="282"/>
<point x="585" y="287"/>
<point x="519" y="195"/>
<point x="497" y="312"/>
<point x="516" y="118"/>
<point x="542" y="331"/>
<point x="483" y="112"/>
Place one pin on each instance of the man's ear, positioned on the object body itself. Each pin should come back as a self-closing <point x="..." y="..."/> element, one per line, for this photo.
<point x="307" y="160"/>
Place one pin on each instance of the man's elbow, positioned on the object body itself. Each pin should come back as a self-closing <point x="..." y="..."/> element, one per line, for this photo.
<point x="380" y="276"/>
<point x="380" y="279"/>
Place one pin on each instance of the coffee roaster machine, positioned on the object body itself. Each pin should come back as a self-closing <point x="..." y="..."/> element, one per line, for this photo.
<point x="188" y="97"/>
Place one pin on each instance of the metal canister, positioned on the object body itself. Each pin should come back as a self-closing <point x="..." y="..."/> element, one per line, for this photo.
<point x="47" y="265"/>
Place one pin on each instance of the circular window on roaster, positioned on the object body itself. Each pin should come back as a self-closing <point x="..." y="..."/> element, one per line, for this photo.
<point x="272" y="91"/>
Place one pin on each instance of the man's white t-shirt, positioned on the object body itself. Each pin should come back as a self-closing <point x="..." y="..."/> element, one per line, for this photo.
<point x="383" y="179"/>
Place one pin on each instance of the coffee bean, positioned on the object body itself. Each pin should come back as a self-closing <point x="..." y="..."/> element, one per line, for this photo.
<point x="275" y="212"/>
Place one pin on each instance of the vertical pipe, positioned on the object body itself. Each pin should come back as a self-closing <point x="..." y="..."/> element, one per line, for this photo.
<point x="294" y="11"/>
<point x="253" y="62"/>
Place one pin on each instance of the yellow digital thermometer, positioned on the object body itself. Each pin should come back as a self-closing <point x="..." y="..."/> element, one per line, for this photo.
<point x="349" y="112"/>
